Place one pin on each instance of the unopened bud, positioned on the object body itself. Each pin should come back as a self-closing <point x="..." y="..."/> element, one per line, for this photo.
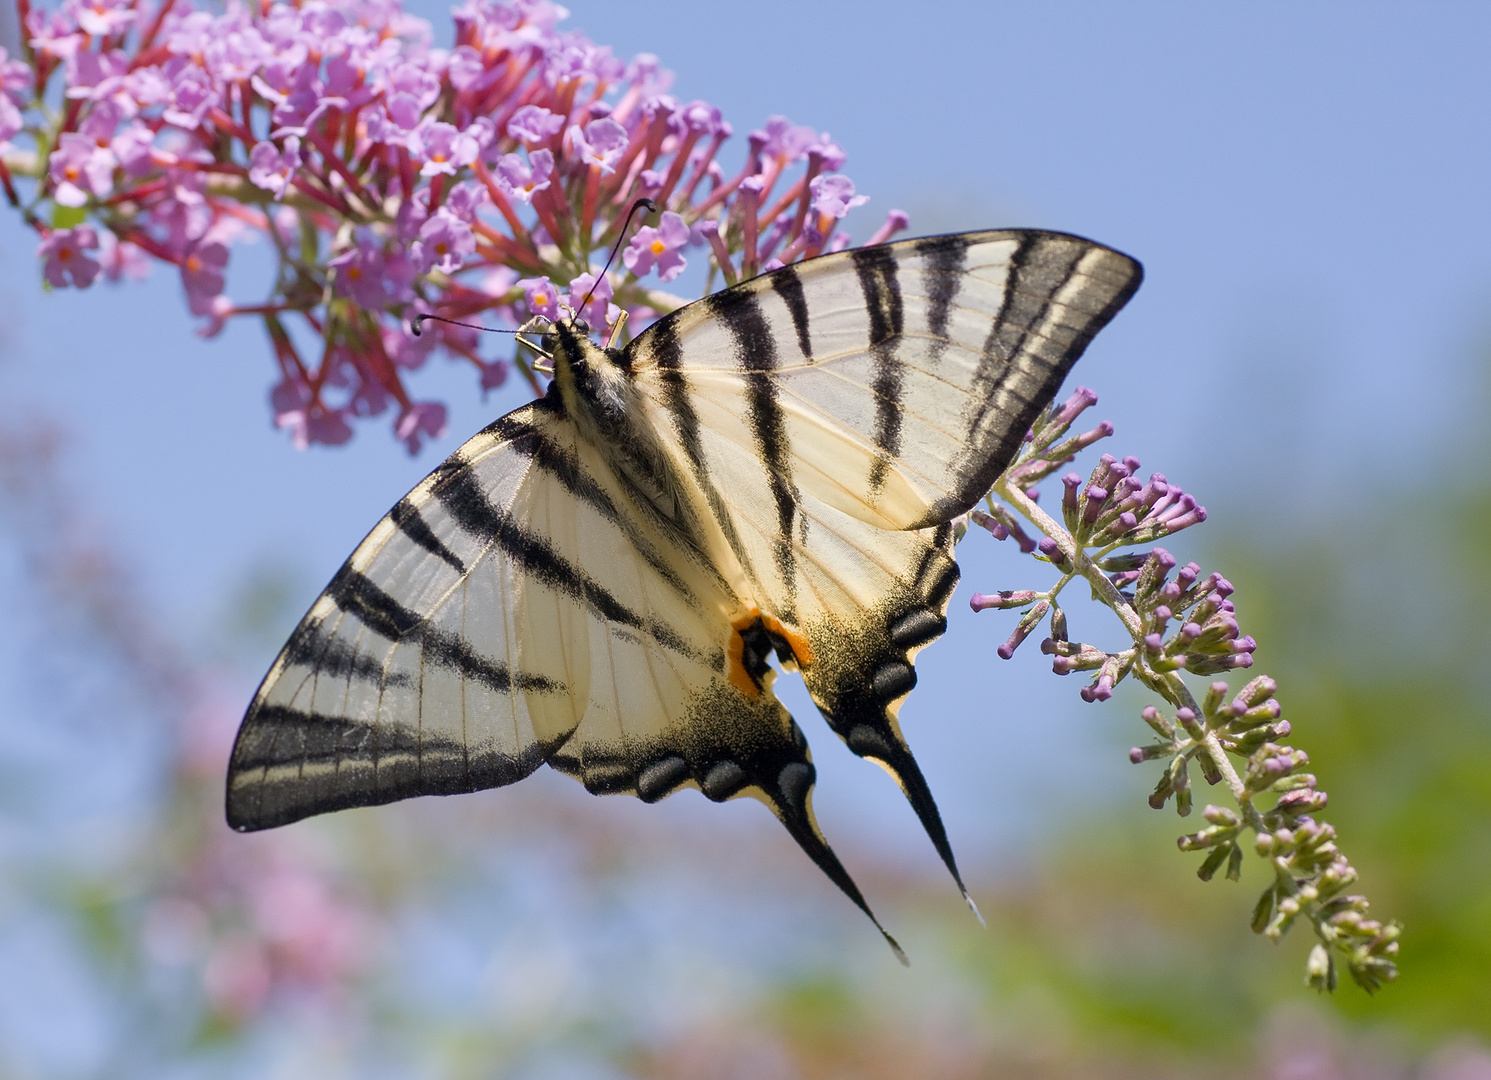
<point x="1320" y="970"/>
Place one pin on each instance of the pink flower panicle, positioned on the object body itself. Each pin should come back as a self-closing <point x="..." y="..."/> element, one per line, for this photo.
<point x="391" y="177"/>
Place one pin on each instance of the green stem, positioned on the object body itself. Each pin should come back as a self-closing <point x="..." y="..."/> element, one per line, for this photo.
<point x="1168" y="685"/>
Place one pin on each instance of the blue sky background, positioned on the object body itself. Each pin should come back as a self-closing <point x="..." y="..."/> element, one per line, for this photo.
<point x="1305" y="184"/>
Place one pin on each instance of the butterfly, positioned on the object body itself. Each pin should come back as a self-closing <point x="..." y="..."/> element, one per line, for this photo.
<point x="599" y="580"/>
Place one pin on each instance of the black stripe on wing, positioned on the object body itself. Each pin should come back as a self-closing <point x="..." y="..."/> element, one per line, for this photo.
<point x="289" y="764"/>
<point x="1024" y="343"/>
<point x="879" y="282"/>
<point x="406" y="516"/>
<point x="945" y="258"/>
<point x="328" y="655"/>
<point x="788" y="286"/>
<point x="756" y="355"/>
<point x="355" y="594"/>
<point x="466" y="501"/>
<point x="667" y="352"/>
<point x="530" y="440"/>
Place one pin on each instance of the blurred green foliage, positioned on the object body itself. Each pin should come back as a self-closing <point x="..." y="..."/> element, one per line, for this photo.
<point x="1385" y="682"/>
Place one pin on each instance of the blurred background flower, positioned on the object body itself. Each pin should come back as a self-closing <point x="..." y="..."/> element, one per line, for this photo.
<point x="1307" y="356"/>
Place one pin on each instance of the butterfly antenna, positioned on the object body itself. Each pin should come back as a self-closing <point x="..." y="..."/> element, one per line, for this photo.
<point x="640" y="204"/>
<point x="419" y="320"/>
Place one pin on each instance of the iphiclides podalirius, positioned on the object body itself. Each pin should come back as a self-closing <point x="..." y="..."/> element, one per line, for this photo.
<point x="598" y="580"/>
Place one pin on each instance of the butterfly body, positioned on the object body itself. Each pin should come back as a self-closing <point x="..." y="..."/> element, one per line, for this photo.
<point x="599" y="580"/>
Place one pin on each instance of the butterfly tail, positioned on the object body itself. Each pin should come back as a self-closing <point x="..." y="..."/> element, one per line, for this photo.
<point x="790" y="797"/>
<point x="865" y="670"/>
<point x="876" y="738"/>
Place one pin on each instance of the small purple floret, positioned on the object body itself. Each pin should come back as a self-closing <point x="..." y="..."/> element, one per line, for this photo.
<point x="541" y="296"/>
<point x="79" y="168"/>
<point x="1081" y="399"/>
<point x="1093" y="507"/>
<point x="661" y="247"/>
<point x="444" y="244"/>
<point x="424" y="419"/>
<point x="273" y="169"/>
<point x="534" y="124"/>
<point x="202" y="273"/>
<point x="1101" y="690"/>
<point x="599" y="143"/>
<point x="520" y="180"/>
<point x="833" y="196"/>
<point x="66" y="260"/>
<point x="1070" y="483"/>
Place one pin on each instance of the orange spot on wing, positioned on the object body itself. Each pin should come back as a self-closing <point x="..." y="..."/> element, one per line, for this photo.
<point x="738" y="676"/>
<point x="801" y="650"/>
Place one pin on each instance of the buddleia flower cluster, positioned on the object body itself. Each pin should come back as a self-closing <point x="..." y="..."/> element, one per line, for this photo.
<point x="1180" y="620"/>
<point x="391" y="179"/>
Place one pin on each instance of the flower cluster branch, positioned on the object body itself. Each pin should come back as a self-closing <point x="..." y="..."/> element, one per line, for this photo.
<point x="1180" y="621"/>
<point x="390" y="179"/>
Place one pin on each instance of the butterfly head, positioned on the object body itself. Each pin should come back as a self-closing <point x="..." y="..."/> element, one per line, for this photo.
<point x="589" y="379"/>
<point x="562" y="332"/>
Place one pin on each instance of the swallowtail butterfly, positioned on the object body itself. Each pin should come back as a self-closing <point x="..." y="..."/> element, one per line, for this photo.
<point x="597" y="581"/>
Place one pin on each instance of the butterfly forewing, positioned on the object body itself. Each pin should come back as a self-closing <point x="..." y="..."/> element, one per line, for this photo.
<point x="433" y="662"/>
<point x="894" y="383"/>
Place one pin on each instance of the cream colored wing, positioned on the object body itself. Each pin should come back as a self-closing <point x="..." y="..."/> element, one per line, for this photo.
<point x="429" y="665"/>
<point x="893" y="383"/>
<point x="520" y="606"/>
<point x="841" y="411"/>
